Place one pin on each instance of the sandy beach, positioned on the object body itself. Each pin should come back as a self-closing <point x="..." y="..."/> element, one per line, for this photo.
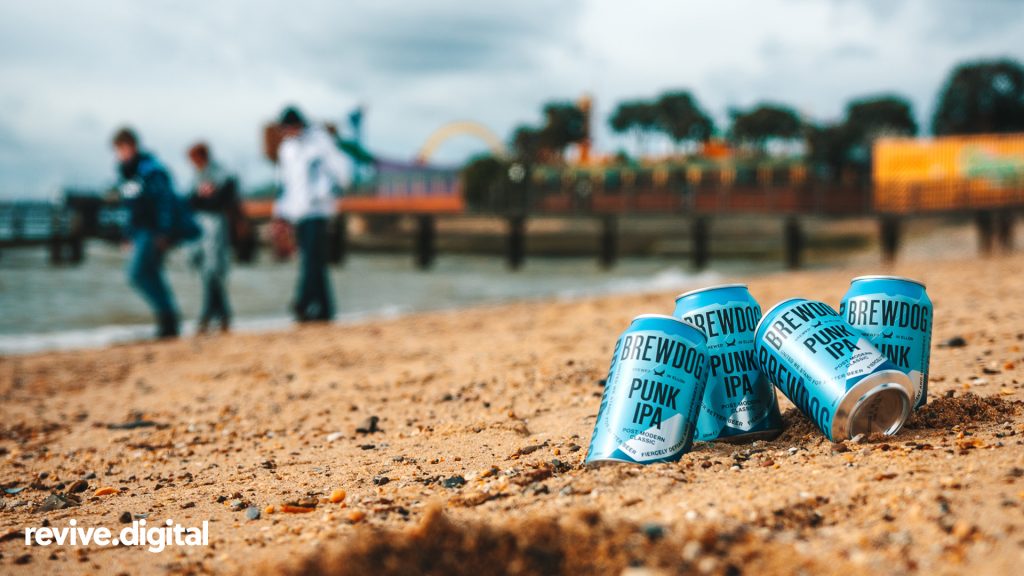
<point x="457" y="439"/>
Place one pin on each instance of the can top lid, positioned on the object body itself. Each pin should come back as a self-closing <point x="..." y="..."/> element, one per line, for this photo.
<point x="709" y="288"/>
<point x="667" y="317"/>
<point x="662" y="316"/>
<point x="764" y="316"/>
<point x="884" y="277"/>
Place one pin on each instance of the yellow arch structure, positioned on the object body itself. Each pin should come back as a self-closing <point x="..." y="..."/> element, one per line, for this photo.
<point x="460" y="128"/>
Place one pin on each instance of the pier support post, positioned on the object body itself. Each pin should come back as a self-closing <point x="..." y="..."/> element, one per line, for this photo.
<point x="245" y="242"/>
<point x="609" y="241"/>
<point x="516" y="248"/>
<point x="56" y="240"/>
<point x="76" y="239"/>
<point x="338" y="250"/>
<point x="425" y="242"/>
<point x="17" y="224"/>
<point x="1004" y="229"/>
<point x="984" y="221"/>
<point x="793" y="240"/>
<point x="889" y="237"/>
<point x="77" y="245"/>
<point x="699" y="242"/>
<point x="56" y="250"/>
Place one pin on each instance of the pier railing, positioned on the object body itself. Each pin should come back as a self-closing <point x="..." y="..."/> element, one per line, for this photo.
<point x="41" y="223"/>
<point x="64" y="226"/>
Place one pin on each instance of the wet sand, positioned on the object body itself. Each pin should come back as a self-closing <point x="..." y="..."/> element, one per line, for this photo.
<point x="473" y="465"/>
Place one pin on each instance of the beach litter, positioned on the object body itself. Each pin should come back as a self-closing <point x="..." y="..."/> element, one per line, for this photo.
<point x="369" y="426"/>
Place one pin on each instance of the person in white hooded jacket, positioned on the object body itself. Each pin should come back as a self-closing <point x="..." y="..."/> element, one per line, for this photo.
<point x="310" y="168"/>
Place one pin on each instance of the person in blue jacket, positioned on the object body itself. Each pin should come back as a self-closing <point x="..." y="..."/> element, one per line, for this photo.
<point x="147" y="191"/>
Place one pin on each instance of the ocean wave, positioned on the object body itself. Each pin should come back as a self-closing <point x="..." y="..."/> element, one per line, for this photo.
<point x="103" y="336"/>
<point x="473" y="291"/>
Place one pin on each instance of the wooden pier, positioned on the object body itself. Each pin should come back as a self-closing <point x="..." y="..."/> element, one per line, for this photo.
<point x="65" y="227"/>
<point x="38" y="223"/>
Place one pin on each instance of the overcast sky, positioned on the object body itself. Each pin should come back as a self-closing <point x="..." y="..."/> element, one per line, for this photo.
<point x="72" y="71"/>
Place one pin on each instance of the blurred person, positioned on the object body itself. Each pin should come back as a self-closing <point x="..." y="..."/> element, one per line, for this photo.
<point x="146" y="189"/>
<point x="310" y="166"/>
<point x="214" y="198"/>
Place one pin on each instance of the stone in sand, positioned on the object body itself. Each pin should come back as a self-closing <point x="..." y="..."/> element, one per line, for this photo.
<point x="369" y="426"/>
<point x="57" y="502"/>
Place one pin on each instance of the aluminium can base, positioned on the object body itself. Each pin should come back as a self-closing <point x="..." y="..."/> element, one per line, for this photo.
<point x="746" y="437"/>
<point x="609" y="461"/>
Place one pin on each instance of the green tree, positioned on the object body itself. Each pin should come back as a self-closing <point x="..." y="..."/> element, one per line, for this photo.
<point x="764" y="122"/>
<point x="681" y="118"/>
<point x="482" y="180"/>
<point x="982" y="97"/>
<point x="527" y="143"/>
<point x="887" y="114"/>
<point x="829" y="147"/>
<point x="636" y="116"/>
<point x="564" y="124"/>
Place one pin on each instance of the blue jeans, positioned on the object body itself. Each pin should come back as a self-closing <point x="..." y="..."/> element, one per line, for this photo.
<point x="215" y="302"/>
<point x="212" y="253"/>
<point x="146" y="274"/>
<point x="313" y="294"/>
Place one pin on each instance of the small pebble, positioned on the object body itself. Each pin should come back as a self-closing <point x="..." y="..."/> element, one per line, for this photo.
<point x="954" y="342"/>
<point x="653" y="531"/>
<point x="252" y="513"/>
<point x="453" y="482"/>
<point x="78" y="486"/>
<point x="691" y="550"/>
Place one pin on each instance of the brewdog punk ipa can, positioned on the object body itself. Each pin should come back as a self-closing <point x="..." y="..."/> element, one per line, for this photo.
<point x="896" y="315"/>
<point x="739" y="402"/>
<point x="652" y="395"/>
<point x="830" y="371"/>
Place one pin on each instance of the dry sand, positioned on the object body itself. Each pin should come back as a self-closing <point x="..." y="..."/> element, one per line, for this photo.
<point x="504" y="398"/>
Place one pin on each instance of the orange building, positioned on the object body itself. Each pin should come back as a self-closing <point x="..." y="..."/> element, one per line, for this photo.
<point x="948" y="173"/>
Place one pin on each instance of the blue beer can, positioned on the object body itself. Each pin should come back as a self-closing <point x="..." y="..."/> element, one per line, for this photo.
<point x="652" y="395"/>
<point x="896" y="315"/>
<point x="739" y="402"/>
<point x="830" y="371"/>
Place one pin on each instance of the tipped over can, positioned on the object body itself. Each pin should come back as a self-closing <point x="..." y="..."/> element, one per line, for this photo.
<point x="739" y="402"/>
<point x="896" y="315"/>
<point x="830" y="371"/>
<point x="652" y="395"/>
